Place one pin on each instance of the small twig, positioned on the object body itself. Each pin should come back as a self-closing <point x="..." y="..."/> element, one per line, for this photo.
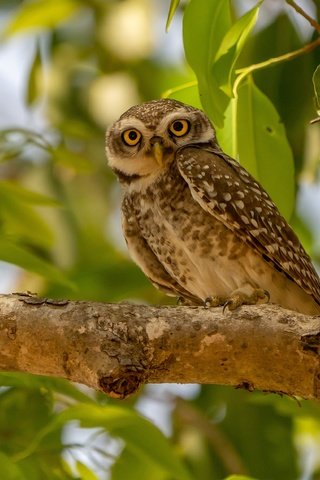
<point x="304" y="14"/>
<point x="243" y="72"/>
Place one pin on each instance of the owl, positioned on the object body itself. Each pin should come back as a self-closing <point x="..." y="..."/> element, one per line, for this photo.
<point x="196" y="222"/>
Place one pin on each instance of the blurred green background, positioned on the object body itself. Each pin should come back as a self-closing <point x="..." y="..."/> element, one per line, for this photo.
<point x="69" y="68"/>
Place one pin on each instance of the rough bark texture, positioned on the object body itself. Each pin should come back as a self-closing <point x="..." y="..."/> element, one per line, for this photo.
<point x="117" y="347"/>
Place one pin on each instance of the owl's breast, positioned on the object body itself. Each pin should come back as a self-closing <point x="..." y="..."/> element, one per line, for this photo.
<point x="195" y="248"/>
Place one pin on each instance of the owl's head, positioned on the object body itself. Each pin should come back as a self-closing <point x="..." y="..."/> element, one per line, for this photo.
<point x="143" y="142"/>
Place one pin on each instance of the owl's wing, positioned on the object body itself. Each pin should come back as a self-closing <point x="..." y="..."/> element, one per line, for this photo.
<point x="228" y="192"/>
<point x="147" y="260"/>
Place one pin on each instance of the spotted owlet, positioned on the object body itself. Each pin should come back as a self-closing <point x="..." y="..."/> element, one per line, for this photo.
<point x="197" y="223"/>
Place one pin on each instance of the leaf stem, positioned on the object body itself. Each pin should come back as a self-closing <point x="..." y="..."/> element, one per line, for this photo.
<point x="304" y="14"/>
<point x="243" y="72"/>
<point x="170" y="91"/>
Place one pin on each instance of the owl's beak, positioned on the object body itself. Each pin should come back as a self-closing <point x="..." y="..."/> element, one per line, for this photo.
<point x="158" y="153"/>
<point x="157" y="149"/>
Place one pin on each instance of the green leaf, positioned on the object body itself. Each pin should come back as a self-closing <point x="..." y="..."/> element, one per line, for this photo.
<point x="227" y="136"/>
<point x="25" y="412"/>
<point x="172" y="10"/>
<point x="187" y="93"/>
<point x="316" y="86"/>
<point x="205" y="24"/>
<point x="41" y="14"/>
<point x="127" y="466"/>
<point x="261" y="450"/>
<point x="231" y="47"/>
<point x="12" y="189"/>
<point x="20" y="220"/>
<point x="143" y="440"/>
<point x="9" y="470"/>
<point x="85" y="472"/>
<point x="263" y="146"/>
<point x="32" y="87"/>
<point x="72" y="160"/>
<point x="239" y="477"/>
<point x="27" y="380"/>
<point x="12" y="253"/>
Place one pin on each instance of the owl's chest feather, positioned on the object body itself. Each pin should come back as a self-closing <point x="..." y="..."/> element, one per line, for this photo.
<point x="190" y="243"/>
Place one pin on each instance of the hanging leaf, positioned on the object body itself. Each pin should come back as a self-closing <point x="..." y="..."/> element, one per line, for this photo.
<point x="9" y="470"/>
<point x="231" y="47"/>
<point x="84" y="472"/>
<point x="40" y="382"/>
<point x="227" y="135"/>
<point x="172" y="10"/>
<point x="263" y="146"/>
<point x="187" y="93"/>
<point x="212" y="46"/>
<point x="126" y="466"/>
<point x="36" y="68"/>
<point x="205" y="24"/>
<point x="75" y="161"/>
<point x="143" y="440"/>
<point x="41" y="14"/>
<point x="12" y="253"/>
<point x="11" y="189"/>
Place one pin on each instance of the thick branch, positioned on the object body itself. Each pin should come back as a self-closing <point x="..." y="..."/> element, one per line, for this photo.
<point x="117" y="347"/>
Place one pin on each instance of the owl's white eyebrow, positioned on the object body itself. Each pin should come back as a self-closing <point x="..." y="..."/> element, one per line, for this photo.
<point x="180" y="114"/>
<point x="129" y="123"/>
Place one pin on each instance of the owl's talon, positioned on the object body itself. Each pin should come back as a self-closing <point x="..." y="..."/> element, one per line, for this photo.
<point x="215" y="301"/>
<point x="238" y="299"/>
<point x="267" y="295"/>
<point x="225" y="306"/>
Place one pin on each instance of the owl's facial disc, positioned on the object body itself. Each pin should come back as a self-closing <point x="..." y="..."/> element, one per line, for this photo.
<point x="143" y="142"/>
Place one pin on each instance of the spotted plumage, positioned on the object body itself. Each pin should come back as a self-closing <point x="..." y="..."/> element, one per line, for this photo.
<point x="195" y="221"/>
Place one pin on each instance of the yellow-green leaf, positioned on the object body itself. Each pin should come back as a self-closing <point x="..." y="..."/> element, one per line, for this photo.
<point x="205" y="24"/>
<point x="12" y="189"/>
<point x="231" y="47"/>
<point x="74" y="161"/>
<point x="41" y="14"/>
<point x="143" y="440"/>
<point x="172" y="10"/>
<point x="84" y="472"/>
<point x="35" y="70"/>
<point x="21" y="221"/>
<point x="18" y="255"/>
<point x="9" y="469"/>
<point x="263" y="147"/>
<point x="187" y="93"/>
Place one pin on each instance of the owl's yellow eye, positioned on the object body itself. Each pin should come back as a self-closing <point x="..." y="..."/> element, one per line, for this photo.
<point x="131" y="137"/>
<point x="179" y="127"/>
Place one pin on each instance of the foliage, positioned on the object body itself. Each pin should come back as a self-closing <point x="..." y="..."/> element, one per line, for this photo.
<point x="59" y="208"/>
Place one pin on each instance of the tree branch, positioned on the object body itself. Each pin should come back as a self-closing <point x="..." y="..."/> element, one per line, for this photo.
<point x="117" y="347"/>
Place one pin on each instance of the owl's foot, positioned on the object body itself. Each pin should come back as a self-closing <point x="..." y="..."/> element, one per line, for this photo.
<point x="239" y="298"/>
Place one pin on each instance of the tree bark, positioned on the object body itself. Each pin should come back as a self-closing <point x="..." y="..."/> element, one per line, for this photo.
<point x="117" y="347"/>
